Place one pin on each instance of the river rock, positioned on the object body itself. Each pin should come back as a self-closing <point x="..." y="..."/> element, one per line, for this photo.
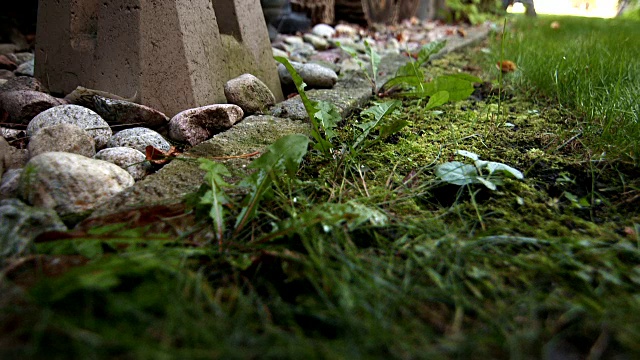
<point x="23" y="105"/>
<point x="80" y="116"/>
<point x="4" y="148"/>
<point x="131" y="160"/>
<point x="25" y="68"/>
<point x="21" y="224"/>
<point x="292" y="40"/>
<point x="21" y="57"/>
<point x="314" y="75"/>
<point x="199" y="124"/>
<point x="64" y="138"/>
<point x="16" y="83"/>
<point x="13" y="158"/>
<point x="9" y="183"/>
<point x="70" y="183"/>
<point x="250" y="93"/>
<point x="7" y="64"/>
<point x="5" y="75"/>
<point x="323" y="30"/>
<point x="318" y="43"/>
<point x="275" y="52"/>
<point x="121" y="112"/>
<point x="346" y="30"/>
<point x="139" y="138"/>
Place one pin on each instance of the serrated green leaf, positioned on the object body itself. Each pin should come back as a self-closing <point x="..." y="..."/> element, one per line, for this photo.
<point x="429" y="50"/>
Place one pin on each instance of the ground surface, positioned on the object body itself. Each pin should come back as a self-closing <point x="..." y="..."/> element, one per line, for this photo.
<point x="544" y="267"/>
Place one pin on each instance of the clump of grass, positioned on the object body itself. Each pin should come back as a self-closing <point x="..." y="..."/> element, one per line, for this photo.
<point x="588" y="66"/>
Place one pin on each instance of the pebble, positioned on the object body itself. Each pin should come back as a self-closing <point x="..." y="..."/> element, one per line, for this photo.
<point x="121" y="112"/>
<point x="5" y="75"/>
<point x="22" y="106"/>
<point x="302" y="51"/>
<point x="250" y="93"/>
<point x="70" y="183"/>
<point x="25" y="68"/>
<point x="292" y="40"/>
<point x="278" y="52"/>
<point x="22" y="57"/>
<point x="7" y="64"/>
<point x="323" y="30"/>
<point x="139" y="138"/>
<point x="73" y="114"/>
<point x="314" y="75"/>
<point x="319" y="43"/>
<point x="131" y="160"/>
<point x="11" y="157"/>
<point x="199" y="124"/>
<point x="21" y="224"/>
<point x="22" y="83"/>
<point x="9" y="183"/>
<point x="345" y="30"/>
<point x="64" y="138"/>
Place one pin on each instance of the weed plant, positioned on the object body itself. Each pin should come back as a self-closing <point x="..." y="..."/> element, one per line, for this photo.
<point x="588" y="66"/>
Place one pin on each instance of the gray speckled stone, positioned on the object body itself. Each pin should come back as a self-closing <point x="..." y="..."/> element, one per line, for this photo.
<point x="73" y="114"/>
<point x="127" y="158"/>
<point x="70" y="183"/>
<point x="62" y="137"/>
<point x="139" y="138"/>
<point x="20" y="224"/>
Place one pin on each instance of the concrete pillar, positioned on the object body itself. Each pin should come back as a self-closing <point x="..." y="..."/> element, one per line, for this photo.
<point x="168" y="54"/>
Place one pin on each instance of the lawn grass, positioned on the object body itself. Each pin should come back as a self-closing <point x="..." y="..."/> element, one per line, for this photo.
<point x="587" y="65"/>
<point x="547" y="267"/>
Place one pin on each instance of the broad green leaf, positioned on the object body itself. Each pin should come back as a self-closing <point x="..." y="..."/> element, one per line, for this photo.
<point x="457" y="173"/>
<point x="437" y="99"/>
<point x="494" y="167"/>
<point x="490" y="185"/>
<point x="467" y="77"/>
<point x="469" y="154"/>
<point x="458" y="89"/>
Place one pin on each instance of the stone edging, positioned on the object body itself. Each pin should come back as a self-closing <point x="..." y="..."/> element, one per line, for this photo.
<point x="255" y="133"/>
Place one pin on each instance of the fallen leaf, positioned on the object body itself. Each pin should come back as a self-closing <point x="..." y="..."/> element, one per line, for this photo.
<point x="462" y="32"/>
<point x="506" y="66"/>
<point x="555" y="25"/>
<point x="159" y="157"/>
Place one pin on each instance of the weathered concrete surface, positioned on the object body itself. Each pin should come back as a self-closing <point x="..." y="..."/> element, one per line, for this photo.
<point x="170" y="55"/>
<point x="182" y="175"/>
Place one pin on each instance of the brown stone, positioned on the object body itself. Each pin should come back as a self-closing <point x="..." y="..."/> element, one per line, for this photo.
<point x="171" y="55"/>
<point x="6" y="63"/>
<point x="22" y="83"/>
<point x="19" y="107"/>
<point x="199" y="124"/>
